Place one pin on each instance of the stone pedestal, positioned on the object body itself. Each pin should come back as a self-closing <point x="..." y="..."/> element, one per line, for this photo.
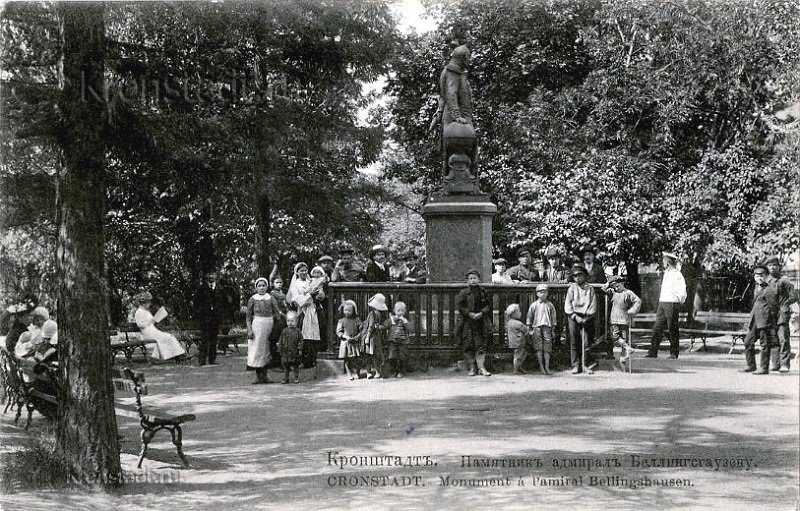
<point x="459" y="236"/>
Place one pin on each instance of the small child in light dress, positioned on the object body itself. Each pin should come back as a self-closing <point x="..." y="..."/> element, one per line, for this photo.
<point x="348" y="330"/>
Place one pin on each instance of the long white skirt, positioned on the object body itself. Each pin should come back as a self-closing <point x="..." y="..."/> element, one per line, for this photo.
<point x="310" y="322"/>
<point x="167" y="346"/>
<point x="258" y="346"/>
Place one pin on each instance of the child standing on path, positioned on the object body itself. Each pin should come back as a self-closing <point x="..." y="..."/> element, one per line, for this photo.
<point x="348" y="330"/>
<point x="516" y="332"/>
<point x="541" y="321"/>
<point x="397" y="325"/>
<point x="580" y="307"/>
<point x="290" y="346"/>
<point x="374" y="333"/>
<point x="625" y="305"/>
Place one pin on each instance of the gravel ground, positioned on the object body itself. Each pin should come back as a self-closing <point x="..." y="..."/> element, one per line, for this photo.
<point x="728" y="440"/>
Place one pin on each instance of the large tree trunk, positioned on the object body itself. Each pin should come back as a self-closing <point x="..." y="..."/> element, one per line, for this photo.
<point x="86" y="426"/>
<point x="263" y="218"/>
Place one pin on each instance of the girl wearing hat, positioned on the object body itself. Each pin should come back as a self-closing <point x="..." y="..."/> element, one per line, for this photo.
<point x="20" y="318"/>
<point x="167" y="346"/>
<point x="377" y="269"/>
<point x="348" y="330"/>
<point x="374" y="334"/>
<point x="261" y="309"/>
<point x="300" y="296"/>
<point x="475" y="323"/>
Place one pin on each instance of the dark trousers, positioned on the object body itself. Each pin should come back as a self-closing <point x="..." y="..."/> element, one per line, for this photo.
<point x="666" y="318"/>
<point x="576" y="341"/>
<point x="208" y="345"/>
<point x="782" y="356"/>
<point x="291" y="367"/>
<point x="768" y="338"/>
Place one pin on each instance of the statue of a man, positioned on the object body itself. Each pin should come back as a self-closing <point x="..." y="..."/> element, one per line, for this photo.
<point x="455" y="112"/>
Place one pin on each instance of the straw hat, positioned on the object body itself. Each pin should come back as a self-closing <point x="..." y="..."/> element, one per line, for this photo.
<point x="378" y="302"/>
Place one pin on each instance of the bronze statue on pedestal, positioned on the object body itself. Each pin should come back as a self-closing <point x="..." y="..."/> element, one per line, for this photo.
<point x="459" y="143"/>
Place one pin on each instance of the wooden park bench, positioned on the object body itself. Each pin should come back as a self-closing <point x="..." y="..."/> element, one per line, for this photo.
<point x="129" y="346"/>
<point x="151" y="422"/>
<point x="714" y="324"/>
<point x="20" y="375"/>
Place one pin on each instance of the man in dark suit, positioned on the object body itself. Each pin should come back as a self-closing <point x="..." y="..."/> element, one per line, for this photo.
<point x="209" y="306"/>
<point x="763" y="322"/>
<point x="594" y="270"/>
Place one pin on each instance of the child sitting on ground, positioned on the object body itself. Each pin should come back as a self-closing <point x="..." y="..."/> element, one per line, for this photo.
<point x="348" y="330"/>
<point x="397" y="325"/>
<point x="516" y="332"/>
<point x="541" y="322"/>
<point x="625" y="305"/>
<point x="290" y="346"/>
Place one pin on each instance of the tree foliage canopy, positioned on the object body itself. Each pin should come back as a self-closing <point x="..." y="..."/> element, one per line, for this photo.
<point x="633" y="126"/>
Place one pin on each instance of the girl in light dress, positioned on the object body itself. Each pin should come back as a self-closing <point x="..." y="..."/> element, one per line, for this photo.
<point x="348" y="330"/>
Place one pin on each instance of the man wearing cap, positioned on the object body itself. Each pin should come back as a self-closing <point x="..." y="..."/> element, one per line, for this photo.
<point x="345" y="269"/>
<point x="763" y="322"/>
<point x="555" y="272"/>
<point x="500" y="275"/>
<point x="414" y="273"/>
<point x="474" y="327"/>
<point x="524" y="270"/>
<point x="594" y="271"/>
<point x="673" y="294"/>
<point x="377" y="269"/>
<point x="580" y="306"/>
<point x="786" y="297"/>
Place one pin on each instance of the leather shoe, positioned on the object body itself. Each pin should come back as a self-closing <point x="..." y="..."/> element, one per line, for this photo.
<point x="747" y="370"/>
<point x="673" y="357"/>
<point x="760" y="372"/>
<point x="651" y="355"/>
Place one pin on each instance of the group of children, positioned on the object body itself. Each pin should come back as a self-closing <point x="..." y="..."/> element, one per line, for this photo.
<point x="382" y="337"/>
<point x="579" y="308"/>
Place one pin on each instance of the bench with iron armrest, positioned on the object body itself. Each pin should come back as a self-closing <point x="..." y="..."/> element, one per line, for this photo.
<point x="14" y="390"/>
<point x="126" y="381"/>
<point x="129" y="346"/>
<point x="37" y="389"/>
<point x="715" y="324"/>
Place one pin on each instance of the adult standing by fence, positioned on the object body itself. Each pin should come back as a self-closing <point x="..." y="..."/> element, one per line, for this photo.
<point x="786" y="297"/>
<point x="673" y="294"/>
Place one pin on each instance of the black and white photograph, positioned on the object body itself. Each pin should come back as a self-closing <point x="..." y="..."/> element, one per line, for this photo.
<point x="400" y="255"/>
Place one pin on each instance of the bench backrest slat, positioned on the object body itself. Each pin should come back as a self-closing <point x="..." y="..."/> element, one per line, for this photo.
<point x="128" y="386"/>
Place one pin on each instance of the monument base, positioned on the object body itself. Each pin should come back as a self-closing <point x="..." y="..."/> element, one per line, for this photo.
<point x="459" y="236"/>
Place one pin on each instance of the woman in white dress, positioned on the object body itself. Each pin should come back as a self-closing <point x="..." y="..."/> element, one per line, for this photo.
<point x="261" y="309"/>
<point x="167" y="346"/>
<point x="300" y="295"/>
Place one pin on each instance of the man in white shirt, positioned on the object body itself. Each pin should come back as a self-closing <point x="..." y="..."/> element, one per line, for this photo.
<point x="673" y="294"/>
